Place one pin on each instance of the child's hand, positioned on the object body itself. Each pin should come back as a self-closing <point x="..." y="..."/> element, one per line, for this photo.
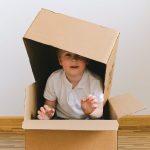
<point x="45" y="113"/>
<point x="89" y="104"/>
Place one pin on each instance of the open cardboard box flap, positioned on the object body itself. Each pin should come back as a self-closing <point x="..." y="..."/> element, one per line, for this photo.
<point x="123" y="105"/>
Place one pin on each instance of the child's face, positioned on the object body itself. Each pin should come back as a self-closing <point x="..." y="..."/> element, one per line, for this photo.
<point x="73" y="64"/>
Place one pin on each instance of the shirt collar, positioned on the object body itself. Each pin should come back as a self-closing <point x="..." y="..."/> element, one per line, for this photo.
<point x="81" y="82"/>
<point x="65" y="80"/>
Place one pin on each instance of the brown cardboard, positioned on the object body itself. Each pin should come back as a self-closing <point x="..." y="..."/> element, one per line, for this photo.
<point x="86" y="39"/>
<point x="123" y="105"/>
<point x="48" y="32"/>
<point x="73" y="35"/>
<point x="70" y="140"/>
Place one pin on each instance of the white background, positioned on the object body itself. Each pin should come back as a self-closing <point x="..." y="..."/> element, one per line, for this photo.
<point x="130" y="17"/>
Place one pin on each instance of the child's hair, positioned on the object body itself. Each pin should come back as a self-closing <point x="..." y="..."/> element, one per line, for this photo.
<point x="59" y="52"/>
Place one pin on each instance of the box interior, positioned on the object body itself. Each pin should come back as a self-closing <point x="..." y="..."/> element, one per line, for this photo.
<point x="43" y="60"/>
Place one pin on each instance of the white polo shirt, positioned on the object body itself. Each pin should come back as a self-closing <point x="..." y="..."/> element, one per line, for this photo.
<point x="69" y="100"/>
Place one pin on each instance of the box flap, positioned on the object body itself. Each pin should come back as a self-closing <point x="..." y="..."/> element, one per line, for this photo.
<point x="124" y="105"/>
<point x="90" y="125"/>
<point x="31" y="101"/>
<point x="72" y="34"/>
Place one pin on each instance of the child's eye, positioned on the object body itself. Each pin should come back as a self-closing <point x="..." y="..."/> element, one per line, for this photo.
<point x="68" y="55"/>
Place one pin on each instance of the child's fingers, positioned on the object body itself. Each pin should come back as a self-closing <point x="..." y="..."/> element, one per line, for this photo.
<point x="42" y="109"/>
<point x="94" y="105"/>
<point x="44" y="117"/>
<point x="48" y="109"/>
<point x="39" y="117"/>
<point x="52" y="110"/>
<point x="94" y="101"/>
<point x="45" y="112"/>
<point x="91" y="97"/>
<point x="39" y="112"/>
<point x="42" y="114"/>
<point x="83" y="100"/>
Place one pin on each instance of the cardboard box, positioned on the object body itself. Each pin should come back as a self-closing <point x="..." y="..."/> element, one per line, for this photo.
<point x="48" y="32"/>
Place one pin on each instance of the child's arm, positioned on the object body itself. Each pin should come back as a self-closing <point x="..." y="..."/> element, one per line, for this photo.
<point x="51" y="104"/>
<point x="91" y="107"/>
<point x="47" y="111"/>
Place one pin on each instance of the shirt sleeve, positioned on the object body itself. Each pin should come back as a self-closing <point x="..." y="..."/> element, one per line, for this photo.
<point x="97" y="90"/>
<point x="49" y="92"/>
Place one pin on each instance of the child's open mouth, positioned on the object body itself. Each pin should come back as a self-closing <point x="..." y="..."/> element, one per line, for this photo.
<point x="74" y="67"/>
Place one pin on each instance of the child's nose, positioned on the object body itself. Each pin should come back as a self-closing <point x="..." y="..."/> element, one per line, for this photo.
<point x="75" y="57"/>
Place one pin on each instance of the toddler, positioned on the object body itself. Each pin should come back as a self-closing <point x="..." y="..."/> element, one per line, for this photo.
<point x="72" y="92"/>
